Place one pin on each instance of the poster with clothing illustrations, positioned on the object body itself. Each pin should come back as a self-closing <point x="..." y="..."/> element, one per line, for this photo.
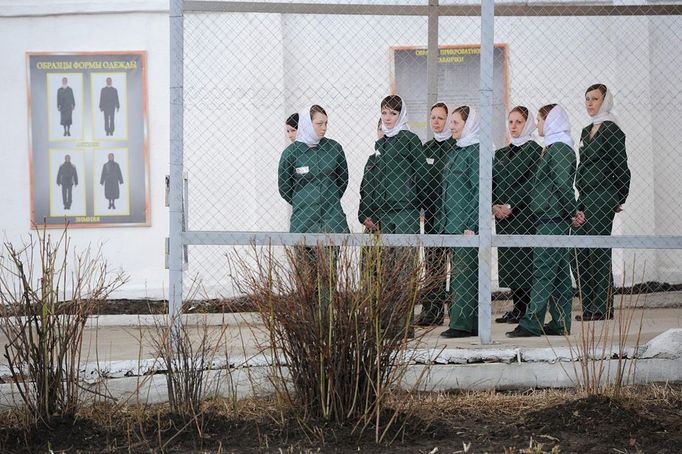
<point x="88" y="141"/>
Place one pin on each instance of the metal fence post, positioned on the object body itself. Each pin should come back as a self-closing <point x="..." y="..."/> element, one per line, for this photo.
<point x="432" y="64"/>
<point x="485" y="181"/>
<point x="176" y="159"/>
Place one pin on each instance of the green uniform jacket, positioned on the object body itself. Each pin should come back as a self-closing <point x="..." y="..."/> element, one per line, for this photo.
<point x="604" y="164"/>
<point x="436" y="154"/>
<point x="392" y="177"/>
<point x="513" y="172"/>
<point x="313" y="180"/>
<point x="459" y="210"/>
<point x="552" y="195"/>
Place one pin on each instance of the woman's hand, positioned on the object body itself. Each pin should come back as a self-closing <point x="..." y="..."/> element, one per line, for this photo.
<point x="501" y="211"/>
<point x="469" y="233"/>
<point x="371" y="226"/>
<point x="578" y="220"/>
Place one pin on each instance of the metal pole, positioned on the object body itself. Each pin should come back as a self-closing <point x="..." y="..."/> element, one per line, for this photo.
<point x="485" y="181"/>
<point x="432" y="55"/>
<point x="176" y="169"/>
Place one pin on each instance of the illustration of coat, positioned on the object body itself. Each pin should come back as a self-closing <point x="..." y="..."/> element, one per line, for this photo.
<point x="65" y="104"/>
<point x="111" y="178"/>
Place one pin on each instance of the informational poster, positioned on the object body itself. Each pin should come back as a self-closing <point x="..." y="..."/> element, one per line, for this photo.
<point x="458" y="83"/>
<point x="88" y="139"/>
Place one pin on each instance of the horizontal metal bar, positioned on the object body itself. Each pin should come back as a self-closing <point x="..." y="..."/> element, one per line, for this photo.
<point x="215" y="238"/>
<point x="352" y="239"/>
<point x="590" y="241"/>
<point x="588" y="10"/>
<point x="472" y="10"/>
<point x="308" y="8"/>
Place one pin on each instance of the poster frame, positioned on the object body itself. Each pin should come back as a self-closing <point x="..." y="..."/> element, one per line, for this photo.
<point x="36" y="224"/>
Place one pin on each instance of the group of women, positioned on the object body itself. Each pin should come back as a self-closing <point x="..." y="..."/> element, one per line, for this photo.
<point x="533" y="193"/>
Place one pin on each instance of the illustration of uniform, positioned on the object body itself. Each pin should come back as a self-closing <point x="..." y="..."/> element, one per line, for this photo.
<point x="111" y="178"/>
<point x="65" y="105"/>
<point x="67" y="177"/>
<point x="108" y="103"/>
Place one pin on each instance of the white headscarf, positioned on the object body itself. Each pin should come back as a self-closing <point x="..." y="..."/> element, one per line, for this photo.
<point x="445" y="134"/>
<point x="558" y="127"/>
<point x="400" y="124"/>
<point x="604" y="113"/>
<point x="526" y="133"/>
<point x="471" y="130"/>
<point x="305" y="132"/>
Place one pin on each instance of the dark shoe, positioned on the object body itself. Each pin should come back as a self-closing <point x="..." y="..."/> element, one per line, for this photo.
<point x="520" y="332"/>
<point x="593" y="317"/>
<point x="549" y="331"/>
<point x="426" y="320"/>
<point x="509" y="317"/>
<point x="453" y="333"/>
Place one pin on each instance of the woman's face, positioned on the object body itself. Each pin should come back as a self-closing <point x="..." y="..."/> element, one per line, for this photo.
<point x="438" y="119"/>
<point x="541" y="126"/>
<point x="593" y="101"/>
<point x="516" y="124"/>
<point x="389" y="117"/>
<point x="457" y="125"/>
<point x="319" y="124"/>
<point x="291" y="133"/>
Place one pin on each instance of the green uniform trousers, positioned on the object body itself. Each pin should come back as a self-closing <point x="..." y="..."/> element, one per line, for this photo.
<point x="435" y="297"/>
<point x="592" y="267"/>
<point x="464" y="289"/>
<point x="551" y="284"/>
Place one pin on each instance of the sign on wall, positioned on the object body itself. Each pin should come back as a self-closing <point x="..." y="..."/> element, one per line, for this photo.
<point x="88" y="139"/>
<point x="458" y="83"/>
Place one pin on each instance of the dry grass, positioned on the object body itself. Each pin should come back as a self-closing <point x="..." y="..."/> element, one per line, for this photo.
<point x="484" y="421"/>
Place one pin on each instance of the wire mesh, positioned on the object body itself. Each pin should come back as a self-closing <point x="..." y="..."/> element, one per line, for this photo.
<point x="246" y="72"/>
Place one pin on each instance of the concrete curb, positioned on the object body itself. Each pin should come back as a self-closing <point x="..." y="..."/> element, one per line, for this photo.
<point x="660" y="360"/>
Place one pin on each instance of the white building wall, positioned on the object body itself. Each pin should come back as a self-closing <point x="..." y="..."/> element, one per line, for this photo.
<point x="268" y="66"/>
<point x="137" y="250"/>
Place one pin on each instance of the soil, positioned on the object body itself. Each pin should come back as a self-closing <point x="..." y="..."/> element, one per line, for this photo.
<point x="534" y="422"/>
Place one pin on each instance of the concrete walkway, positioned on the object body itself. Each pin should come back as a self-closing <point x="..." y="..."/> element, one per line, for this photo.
<point x="120" y="355"/>
<point x="131" y="337"/>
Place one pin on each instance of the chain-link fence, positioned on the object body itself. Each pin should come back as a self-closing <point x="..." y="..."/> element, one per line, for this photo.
<point x="369" y="162"/>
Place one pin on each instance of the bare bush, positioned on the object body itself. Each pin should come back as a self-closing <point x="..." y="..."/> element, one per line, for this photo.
<point x="187" y="353"/>
<point x="47" y="292"/>
<point x="592" y="373"/>
<point x="338" y="324"/>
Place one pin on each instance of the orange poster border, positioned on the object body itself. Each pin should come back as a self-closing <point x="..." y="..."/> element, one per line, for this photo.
<point x="145" y="132"/>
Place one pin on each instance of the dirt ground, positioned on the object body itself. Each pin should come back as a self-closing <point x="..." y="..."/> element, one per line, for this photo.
<point x="641" y="420"/>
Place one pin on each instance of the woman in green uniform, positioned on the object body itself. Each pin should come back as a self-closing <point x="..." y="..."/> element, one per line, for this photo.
<point x="554" y="207"/>
<point x="513" y="171"/>
<point x="435" y="258"/>
<point x="459" y="215"/>
<point x="603" y="183"/>
<point x="292" y="126"/>
<point x="312" y="177"/>
<point x="390" y="199"/>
